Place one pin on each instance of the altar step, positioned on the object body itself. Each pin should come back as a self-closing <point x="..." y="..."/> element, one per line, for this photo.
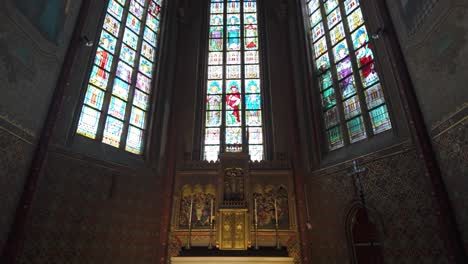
<point x="232" y="260"/>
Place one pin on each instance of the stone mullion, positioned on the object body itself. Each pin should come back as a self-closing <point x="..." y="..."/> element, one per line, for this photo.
<point x="357" y="79"/>
<point x="131" y="93"/>
<point x="112" y="74"/>
<point x="245" y="146"/>
<point x="339" y="104"/>
<point x="222" y="130"/>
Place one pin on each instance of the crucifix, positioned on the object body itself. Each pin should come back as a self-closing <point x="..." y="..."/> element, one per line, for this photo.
<point x="356" y="173"/>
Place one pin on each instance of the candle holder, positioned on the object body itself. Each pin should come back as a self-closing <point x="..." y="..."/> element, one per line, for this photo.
<point x="256" y="236"/>
<point x="210" y="243"/>
<point x="278" y="246"/>
<point x="189" y="237"/>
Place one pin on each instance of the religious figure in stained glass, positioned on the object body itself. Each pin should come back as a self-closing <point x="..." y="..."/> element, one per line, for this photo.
<point x="121" y="32"/>
<point x="232" y="56"/>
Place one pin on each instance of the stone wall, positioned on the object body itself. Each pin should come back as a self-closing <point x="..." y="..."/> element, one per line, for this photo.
<point x="89" y="211"/>
<point x="29" y="67"/>
<point x="398" y="195"/>
<point x="435" y="45"/>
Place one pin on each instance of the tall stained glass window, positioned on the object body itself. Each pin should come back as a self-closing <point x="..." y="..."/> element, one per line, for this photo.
<point x="116" y="103"/>
<point x="233" y="106"/>
<point x="352" y="97"/>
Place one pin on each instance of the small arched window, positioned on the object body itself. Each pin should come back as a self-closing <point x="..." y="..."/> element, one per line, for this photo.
<point x="352" y="98"/>
<point x="116" y="102"/>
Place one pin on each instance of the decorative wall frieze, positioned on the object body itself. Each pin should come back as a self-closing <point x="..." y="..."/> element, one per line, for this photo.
<point x="460" y="115"/>
<point x="381" y="154"/>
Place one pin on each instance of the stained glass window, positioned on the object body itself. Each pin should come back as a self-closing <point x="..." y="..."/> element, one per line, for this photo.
<point x="233" y="104"/>
<point x="117" y="98"/>
<point x="352" y="97"/>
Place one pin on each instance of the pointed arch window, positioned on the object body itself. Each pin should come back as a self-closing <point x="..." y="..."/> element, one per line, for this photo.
<point x="352" y="98"/>
<point x="116" y="102"/>
<point x="233" y="108"/>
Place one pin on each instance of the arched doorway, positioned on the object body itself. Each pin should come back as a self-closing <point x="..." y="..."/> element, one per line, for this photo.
<point x="364" y="239"/>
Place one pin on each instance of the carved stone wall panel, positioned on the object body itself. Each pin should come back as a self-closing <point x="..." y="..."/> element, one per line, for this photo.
<point x="395" y="188"/>
<point x="450" y="143"/>
<point x="86" y="212"/>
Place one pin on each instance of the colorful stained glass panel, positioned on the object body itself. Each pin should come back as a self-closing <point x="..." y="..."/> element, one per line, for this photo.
<point x="317" y="32"/>
<point x="154" y="9"/>
<point x="320" y="47"/>
<point x="133" y="23"/>
<point x="335" y="138"/>
<point x="140" y="99"/>
<point x="255" y="135"/>
<point x="94" y="97"/>
<point x="103" y="59"/>
<point x="315" y="18"/>
<point x="107" y="41"/>
<point x="112" y="132"/>
<point x="323" y="63"/>
<point x="347" y="86"/>
<point x="368" y="75"/>
<point x="120" y="89"/>
<point x="344" y="68"/>
<point x="233" y="7"/>
<point x="214" y="87"/>
<point x="215" y="72"/>
<point x="250" y="18"/>
<point x="137" y="118"/>
<point x="213" y="119"/>
<point x="216" y="20"/>
<point x="350" y="5"/>
<point x="147" y="50"/>
<point x="152" y="22"/>
<point x="351" y="107"/>
<point x="134" y="140"/>
<point x="251" y="43"/>
<point x="355" y="20"/>
<point x="233" y="72"/>
<point x="325" y="80"/>
<point x="216" y="45"/>
<point x="313" y="5"/>
<point x="331" y="117"/>
<point x="364" y="55"/>
<point x="217" y="8"/>
<point x="330" y="5"/>
<point x="88" y="123"/>
<point x="111" y="25"/>
<point x="233" y="135"/>
<point x="380" y="119"/>
<point x="215" y="58"/>
<point x="253" y="117"/>
<point x="127" y="55"/>
<point x="333" y="18"/>
<point x="252" y="86"/>
<point x="115" y="9"/>
<point x="328" y="98"/>
<point x="253" y="101"/>
<point x="136" y="9"/>
<point x="212" y="135"/>
<point x="337" y="34"/>
<point x="117" y="108"/>
<point x="250" y="7"/>
<point x="143" y="83"/>
<point x="232" y="57"/>
<point x="146" y="67"/>
<point x="340" y="51"/>
<point x="256" y="152"/>
<point x="213" y="102"/>
<point x="211" y="153"/>
<point x="374" y="96"/>
<point x="251" y="57"/>
<point x="130" y="38"/>
<point x="124" y="72"/>
<point x="150" y="36"/>
<point x="99" y="77"/>
<point x="252" y="71"/>
<point x="360" y="37"/>
<point x="356" y="129"/>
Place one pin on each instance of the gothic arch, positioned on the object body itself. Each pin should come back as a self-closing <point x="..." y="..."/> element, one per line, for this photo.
<point x="364" y="238"/>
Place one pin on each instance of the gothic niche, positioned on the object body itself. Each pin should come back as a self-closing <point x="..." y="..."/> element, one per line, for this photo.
<point x="199" y="199"/>
<point x="233" y="184"/>
<point x="265" y="196"/>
